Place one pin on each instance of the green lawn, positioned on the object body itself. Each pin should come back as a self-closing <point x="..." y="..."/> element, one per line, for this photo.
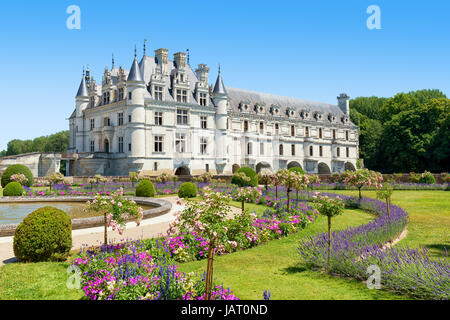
<point x="429" y="213"/>
<point x="272" y="266"/>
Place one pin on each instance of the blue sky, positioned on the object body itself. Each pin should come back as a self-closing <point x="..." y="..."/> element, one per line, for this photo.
<point x="307" y="49"/>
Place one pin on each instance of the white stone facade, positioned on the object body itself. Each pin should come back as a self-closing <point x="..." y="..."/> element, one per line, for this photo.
<point x="161" y="116"/>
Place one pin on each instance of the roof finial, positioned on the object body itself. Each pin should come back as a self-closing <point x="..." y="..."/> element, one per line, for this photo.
<point x="112" y="61"/>
<point x="188" y="56"/>
<point x="135" y="54"/>
<point x="145" y="40"/>
<point x="83" y="72"/>
<point x="219" y="68"/>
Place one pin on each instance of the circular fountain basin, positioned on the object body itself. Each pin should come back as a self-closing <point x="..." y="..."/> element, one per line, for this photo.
<point x="14" y="209"/>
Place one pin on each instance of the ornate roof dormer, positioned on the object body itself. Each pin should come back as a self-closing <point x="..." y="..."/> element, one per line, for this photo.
<point x="275" y="109"/>
<point x="290" y="112"/>
<point x="259" y="108"/>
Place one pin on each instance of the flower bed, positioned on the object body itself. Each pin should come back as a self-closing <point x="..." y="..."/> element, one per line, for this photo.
<point x="127" y="271"/>
<point x="403" y="270"/>
<point x="395" y="185"/>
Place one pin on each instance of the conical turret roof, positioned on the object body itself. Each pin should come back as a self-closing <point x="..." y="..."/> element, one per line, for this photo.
<point x="219" y="88"/>
<point x="83" y="89"/>
<point x="135" y="72"/>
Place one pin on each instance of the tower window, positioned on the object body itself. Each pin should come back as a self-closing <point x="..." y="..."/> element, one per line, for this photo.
<point x="120" y="119"/>
<point x="347" y="152"/>
<point x="320" y="151"/>
<point x="180" y="142"/>
<point x="203" y="145"/>
<point x="338" y="151"/>
<point x="129" y="118"/>
<point x="129" y="147"/>
<point x="92" y="124"/>
<point x="130" y="95"/>
<point x="120" y="144"/>
<point x="92" y="146"/>
<point x="293" y="149"/>
<point x="311" y="151"/>
<point x="120" y="94"/>
<point x="281" y="150"/>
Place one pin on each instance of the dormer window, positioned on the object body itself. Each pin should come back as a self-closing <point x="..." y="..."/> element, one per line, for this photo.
<point x="158" y="93"/>
<point x="203" y="98"/>
<point x="106" y="97"/>
<point x="120" y="94"/>
<point x="181" y="95"/>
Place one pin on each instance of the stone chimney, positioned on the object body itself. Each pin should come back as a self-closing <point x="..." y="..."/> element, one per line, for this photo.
<point x="162" y="59"/>
<point x="180" y="60"/>
<point x="343" y="103"/>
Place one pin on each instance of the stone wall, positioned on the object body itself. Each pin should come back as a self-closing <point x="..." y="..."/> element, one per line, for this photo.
<point x="40" y="164"/>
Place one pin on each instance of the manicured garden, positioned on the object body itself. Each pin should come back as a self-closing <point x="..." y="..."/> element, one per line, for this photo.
<point x="295" y="244"/>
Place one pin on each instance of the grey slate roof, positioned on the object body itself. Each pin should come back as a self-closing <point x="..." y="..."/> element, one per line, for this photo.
<point x="219" y="88"/>
<point x="135" y="72"/>
<point x="236" y="96"/>
<point x="83" y="90"/>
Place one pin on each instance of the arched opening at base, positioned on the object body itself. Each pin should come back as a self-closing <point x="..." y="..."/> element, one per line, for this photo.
<point x="182" y="171"/>
<point x="349" y="166"/>
<point x="293" y="164"/>
<point x="323" y="168"/>
<point x="262" y="165"/>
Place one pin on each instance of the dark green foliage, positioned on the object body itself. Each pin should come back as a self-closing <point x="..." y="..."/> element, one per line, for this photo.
<point x="145" y="188"/>
<point x="408" y="132"/>
<point x="16" y="169"/>
<point x="297" y="169"/>
<point x="58" y="142"/>
<point x="249" y="172"/>
<point x="427" y="178"/>
<point x="44" y="235"/>
<point x="13" y="189"/>
<point x="187" y="190"/>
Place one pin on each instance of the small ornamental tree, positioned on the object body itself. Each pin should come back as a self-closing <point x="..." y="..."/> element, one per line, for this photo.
<point x="329" y="207"/>
<point x="275" y="181"/>
<point x="265" y="178"/>
<point x="55" y="178"/>
<point x="300" y="183"/>
<point x="247" y="194"/>
<point x="100" y="179"/>
<point x="313" y="178"/>
<point x="361" y="178"/>
<point x="207" y="219"/>
<point x="385" y="193"/>
<point x="288" y="179"/>
<point x="116" y="210"/>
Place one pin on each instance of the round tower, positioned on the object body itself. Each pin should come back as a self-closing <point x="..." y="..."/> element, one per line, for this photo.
<point x="220" y="98"/>
<point x="81" y="103"/>
<point x="136" y="111"/>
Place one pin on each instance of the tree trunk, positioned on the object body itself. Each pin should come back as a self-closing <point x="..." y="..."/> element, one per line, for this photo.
<point x="388" y="204"/>
<point x="209" y="270"/>
<point x="297" y="199"/>
<point x="288" y="192"/>
<point x="329" y="239"/>
<point x="276" y="191"/>
<point x="243" y="205"/>
<point x="359" y="189"/>
<point x="106" y="230"/>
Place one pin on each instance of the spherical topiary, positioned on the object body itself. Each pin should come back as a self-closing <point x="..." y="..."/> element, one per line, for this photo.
<point x="145" y="188"/>
<point x="187" y="190"/>
<point x="297" y="170"/>
<point x="250" y="173"/>
<point x="16" y="169"/>
<point x="44" y="235"/>
<point x="13" y="189"/>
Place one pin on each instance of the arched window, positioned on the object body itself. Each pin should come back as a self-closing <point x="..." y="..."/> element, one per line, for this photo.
<point x="249" y="148"/>
<point x="281" y="149"/>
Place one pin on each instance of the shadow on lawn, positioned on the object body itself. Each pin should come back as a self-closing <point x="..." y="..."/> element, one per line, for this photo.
<point x="442" y="248"/>
<point x="294" y="269"/>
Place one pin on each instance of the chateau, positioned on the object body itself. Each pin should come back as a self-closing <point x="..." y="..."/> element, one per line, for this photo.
<point x="162" y="116"/>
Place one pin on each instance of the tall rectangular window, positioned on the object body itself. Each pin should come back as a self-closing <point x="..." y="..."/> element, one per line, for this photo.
<point x="92" y="146"/>
<point x="245" y="125"/>
<point x="346" y="135"/>
<point x="120" y="119"/>
<point x="277" y="128"/>
<point x="306" y="131"/>
<point x="106" y="122"/>
<point x="292" y="131"/>
<point x="92" y="124"/>
<point x="204" y="122"/>
<point x="158" y="118"/>
<point x="180" y="142"/>
<point x="129" y="118"/>
<point x="293" y="149"/>
<point x="281" y="150"/>
<point x="129" y="147"/>
<point x="158" y="92"/>
<point x="249" y="148"/>
<point x="120" y="94"/>
<point x="181" y="95"/>
<point x="320" y="151"/>
<point x="203" y="145"/>
<point x="207" y="167"/>
<point x="182" y="117"/>
<point x="320" y="133"/>
<point x="155" y="166"/>
<point x="347" y="152"/>
<point x="202" y="98"/>
<point x="120" y="144"/>
<point x="261" y="127"/>
<point x="311" y="151"/>
<point x="92" y="101"/>
<point x="158" y="144"/>
<point x="338" y="151"/>
<point x="334" y="134"/>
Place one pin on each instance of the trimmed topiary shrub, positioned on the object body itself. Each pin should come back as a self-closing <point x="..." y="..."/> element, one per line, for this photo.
<point x="13" y="189"/>
<point x="427" y="177"/>
<point x="145" y="188"/>
<point x="44" y="235"/>
<point x="297" y="170"/>
<point x="250" y="173"/>
<point x="16" y="169"/>
<point x="187" y="190"/>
